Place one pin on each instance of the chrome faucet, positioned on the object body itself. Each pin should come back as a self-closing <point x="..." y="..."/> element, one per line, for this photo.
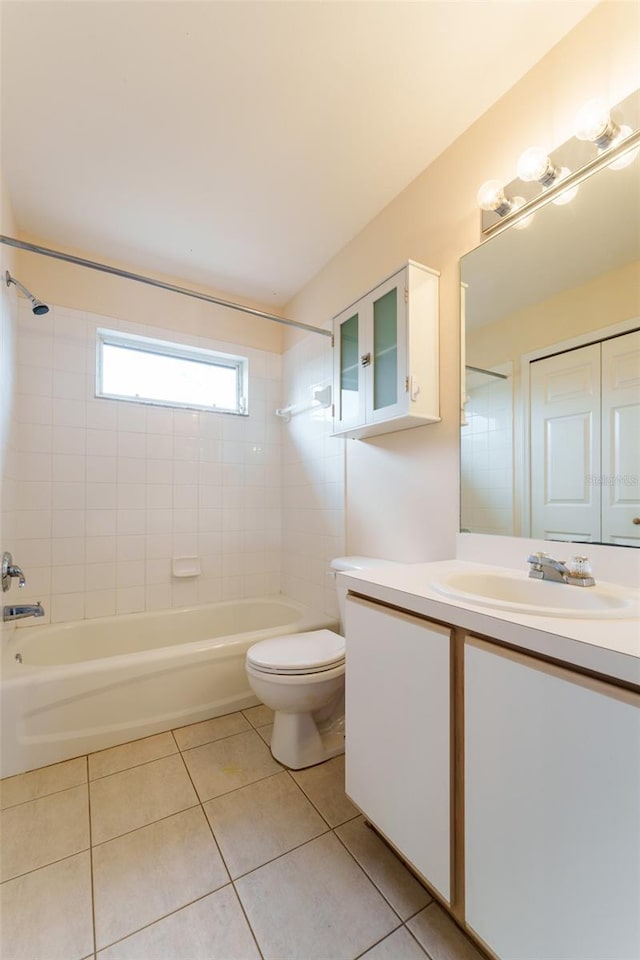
<point x="9" y="570"/>
<point x="20" y="612"/>
<point x="577" y="572"/>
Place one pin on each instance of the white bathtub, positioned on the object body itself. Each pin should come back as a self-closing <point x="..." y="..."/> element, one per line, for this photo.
<point x="92" y="684"/>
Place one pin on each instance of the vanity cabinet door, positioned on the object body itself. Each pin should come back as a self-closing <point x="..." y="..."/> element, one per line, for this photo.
<point x="552" y="810"/>
<point x="397" y="732"/>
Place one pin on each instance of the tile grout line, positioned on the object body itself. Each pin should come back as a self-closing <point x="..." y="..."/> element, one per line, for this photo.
<point x="134" y="766"/>
<point x="370" y="878"/>
<point x="285" y="853"/>
<point x="190" y="902"/>
<point x="171" y="913"/>
<point x="317" y="808"/>
<point x="372" y="946"/>
<point x="412" y="934"/>
<point x="43" y="796"/>
<point x="93" y="893"/>
<point x="85" y="756"/>
<point x="224" y="862"/>
<point x="43" y="866"/>
<point x="143" y="826"/>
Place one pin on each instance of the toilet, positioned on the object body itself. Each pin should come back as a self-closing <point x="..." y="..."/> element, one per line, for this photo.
<point x="301" y="677"/>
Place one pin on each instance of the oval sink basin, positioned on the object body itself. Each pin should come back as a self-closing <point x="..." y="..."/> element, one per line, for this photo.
<point x="541" y="598"/>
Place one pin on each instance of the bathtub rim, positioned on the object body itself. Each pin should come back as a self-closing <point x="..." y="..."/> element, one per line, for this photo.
<point x="14" y="673"/>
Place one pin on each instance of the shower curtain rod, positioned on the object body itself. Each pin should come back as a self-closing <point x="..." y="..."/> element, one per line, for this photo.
<point x="139" y="278"/>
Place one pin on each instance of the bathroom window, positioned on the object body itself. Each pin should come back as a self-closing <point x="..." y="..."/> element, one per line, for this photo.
<point x="170" y="374"/>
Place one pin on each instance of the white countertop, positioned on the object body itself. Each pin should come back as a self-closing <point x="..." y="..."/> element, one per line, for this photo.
<point x="607" y="646"/>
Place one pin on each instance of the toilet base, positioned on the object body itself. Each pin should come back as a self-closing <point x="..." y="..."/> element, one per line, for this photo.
<point x="298" y="741"/>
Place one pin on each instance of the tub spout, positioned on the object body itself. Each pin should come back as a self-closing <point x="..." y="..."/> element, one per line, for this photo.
<point x="19" y="612"/>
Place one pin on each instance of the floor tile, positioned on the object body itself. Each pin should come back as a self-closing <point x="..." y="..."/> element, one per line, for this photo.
<point x="261" y="821"/>
<point x="130" y="755"/>
<point x="440" y="937"/>
<point x="324" y="785"/>
<point x="225" y="765"/>
<point x="265" y="733"/>
<point x="47" y="913"/>
<point x="259" y="716"/>
<point x="405" y="894"/>
<point x="43" y="831"/>
<point x="314" y="903"/>
<point x="213" y="928"/>
<point x="400" y="945"/>
<point x="130" y="799"/>
<point x="42" y="782"/>
<point x="141" y="877"/>
<point x="209" y="730"/>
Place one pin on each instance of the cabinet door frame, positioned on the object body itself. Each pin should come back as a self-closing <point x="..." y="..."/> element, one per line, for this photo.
<point x="542" y="836"/>
<point x="399" y="283"/>
<point x="357" y="418"/>
<point x="382" y="645"/>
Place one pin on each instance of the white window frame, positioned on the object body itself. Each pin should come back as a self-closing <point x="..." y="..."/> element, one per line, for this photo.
<point x="167" y="348"/>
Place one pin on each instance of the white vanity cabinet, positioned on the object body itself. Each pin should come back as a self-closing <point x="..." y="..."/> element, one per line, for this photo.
<point x="386" y="356"/>
<point x="398" y="732"/>
<point x="552" y="803"/>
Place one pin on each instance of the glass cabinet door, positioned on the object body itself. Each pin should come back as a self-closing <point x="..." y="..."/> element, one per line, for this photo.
<point x="385" y="350"/>
<point x="388" y="351"/>
<point x="349" y="399"/>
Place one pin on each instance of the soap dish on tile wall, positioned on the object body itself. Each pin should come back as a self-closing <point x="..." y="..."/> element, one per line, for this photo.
<point x="185" y="566"/>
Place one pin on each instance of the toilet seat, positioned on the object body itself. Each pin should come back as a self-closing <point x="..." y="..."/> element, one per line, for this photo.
<point x="298" y="653"/>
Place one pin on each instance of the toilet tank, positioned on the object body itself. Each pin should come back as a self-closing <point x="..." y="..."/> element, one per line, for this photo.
<point x="343" y="564"/>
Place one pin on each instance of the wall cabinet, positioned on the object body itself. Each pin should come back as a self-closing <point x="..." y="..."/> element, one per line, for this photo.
<point x="552" y="800"/>
<point x="386" y="360"/>
<point x="398" y="741"/>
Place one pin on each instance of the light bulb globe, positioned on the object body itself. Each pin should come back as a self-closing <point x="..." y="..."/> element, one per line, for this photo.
<point x="491" y="195"/>
<point x="592" y="120"/>
<point x="533" y="164"/>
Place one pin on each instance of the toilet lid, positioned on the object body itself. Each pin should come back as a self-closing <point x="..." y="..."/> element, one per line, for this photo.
<point x="298" y="652"/>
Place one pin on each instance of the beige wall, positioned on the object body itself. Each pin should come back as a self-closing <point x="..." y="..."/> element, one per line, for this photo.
<point x="68" y="285"/>
<point x="604" y="301"/>
<point x="402" y="498"/>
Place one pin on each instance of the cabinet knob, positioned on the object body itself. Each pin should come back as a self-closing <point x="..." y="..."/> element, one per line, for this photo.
<point x="636" y="520"/>
<point x="365" y="359"/>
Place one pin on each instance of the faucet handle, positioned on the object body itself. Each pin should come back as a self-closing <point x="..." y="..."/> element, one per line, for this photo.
<point x="580" y="566"/>
<point x="10" y="570"/>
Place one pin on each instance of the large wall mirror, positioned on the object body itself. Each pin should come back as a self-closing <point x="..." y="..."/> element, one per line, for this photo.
<point x="550" y="436"/>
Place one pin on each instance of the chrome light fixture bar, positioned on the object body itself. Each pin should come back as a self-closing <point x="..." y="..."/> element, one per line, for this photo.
<point x="603" y="137"/>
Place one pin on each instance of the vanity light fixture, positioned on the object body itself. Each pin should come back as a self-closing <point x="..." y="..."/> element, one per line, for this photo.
<point x="602" y="140"/>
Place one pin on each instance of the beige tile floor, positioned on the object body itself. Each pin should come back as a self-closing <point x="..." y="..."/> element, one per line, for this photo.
<point x="197" y="845"/>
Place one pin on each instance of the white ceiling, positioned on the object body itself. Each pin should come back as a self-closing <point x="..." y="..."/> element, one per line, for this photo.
<point x="238" y="144"/>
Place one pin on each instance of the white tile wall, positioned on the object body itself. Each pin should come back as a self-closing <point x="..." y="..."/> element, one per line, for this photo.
<point x="107" y="492"/>
<point x="486" y="457"/>
<point x="313" y="479"/>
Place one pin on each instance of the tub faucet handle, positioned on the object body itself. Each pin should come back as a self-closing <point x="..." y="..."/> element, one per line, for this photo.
<point x="10" y="570"/>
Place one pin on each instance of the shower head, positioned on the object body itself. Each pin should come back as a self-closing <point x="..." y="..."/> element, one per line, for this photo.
<point x="38" y="307"/>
